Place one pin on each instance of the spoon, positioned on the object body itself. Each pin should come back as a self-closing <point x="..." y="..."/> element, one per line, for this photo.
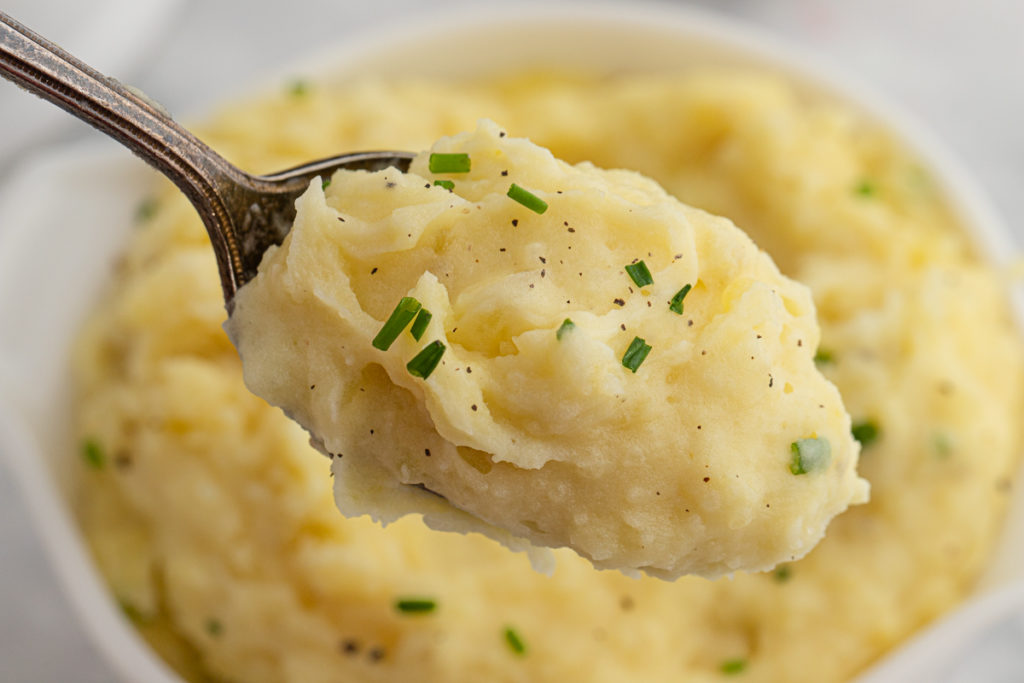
<point x="244" y="214"/>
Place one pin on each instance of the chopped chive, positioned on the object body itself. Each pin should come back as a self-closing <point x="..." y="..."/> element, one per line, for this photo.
<point x="823" y="357"/>
<point x="527" y="199"/>
<point x="324" y="184"/>
<point x="783" y="573"/>
<point x="865" y="188"/>
<point x="415" y="605"/>
<point x="93" y="454"/>
<point x="676" y="304"/>
<point x="403" y="314"/>
<point x="214" y="627"/>
<point x="866" y="432"/>
<point x="809" y="455"/>
<point x="942" y="444"/>
<point x="514" y="641"/>
<point x="426" y="360"/>
<point x="419" y="326"/>
<point x="446" y="184"/>
<point x="733" y="666"/>
<point x="130" y="611"/>
<point x="145" y="210"/>
<point x="566" y="326"/>
<point x="449" y="163"/>
<point x="635" y="354"/>
<point x="640" y="274"/>
<point x="298" y="88"/>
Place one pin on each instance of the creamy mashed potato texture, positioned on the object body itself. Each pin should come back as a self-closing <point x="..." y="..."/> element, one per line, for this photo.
<point x="724" y="449"/>
<point x="213" y="519"/>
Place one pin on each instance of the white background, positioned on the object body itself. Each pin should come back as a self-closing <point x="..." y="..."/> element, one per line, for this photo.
<point x="958" y="65"/>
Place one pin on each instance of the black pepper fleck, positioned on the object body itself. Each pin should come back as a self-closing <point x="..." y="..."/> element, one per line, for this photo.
<point x="473" y="407"/>
<point x="707" y="479"/>
<point x="617" y="302"/>
<point x="515" y="222"/>
<point x="504" y="173"/>
<point x="426" y="452"/>
<point x="374" y="271"/>
<point x="349" y="646"/>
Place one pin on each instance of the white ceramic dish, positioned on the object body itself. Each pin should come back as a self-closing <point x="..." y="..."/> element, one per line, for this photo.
<point x="77" y="239"/>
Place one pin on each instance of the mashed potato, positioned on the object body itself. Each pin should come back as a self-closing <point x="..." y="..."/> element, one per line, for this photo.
<point x="528" y="418"/>
<point x="213" y="519"/>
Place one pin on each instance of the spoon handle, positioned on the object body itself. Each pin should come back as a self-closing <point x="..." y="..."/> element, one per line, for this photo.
<point x="39" y="66"/>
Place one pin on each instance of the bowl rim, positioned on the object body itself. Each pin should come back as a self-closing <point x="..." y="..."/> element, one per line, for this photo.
<point x="90" y="598"/>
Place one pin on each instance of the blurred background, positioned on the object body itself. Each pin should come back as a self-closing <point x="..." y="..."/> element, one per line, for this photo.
<point x="957" y="65"/>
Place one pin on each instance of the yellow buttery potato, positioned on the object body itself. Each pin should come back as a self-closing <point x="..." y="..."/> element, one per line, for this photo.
<point x="722" y="449"/>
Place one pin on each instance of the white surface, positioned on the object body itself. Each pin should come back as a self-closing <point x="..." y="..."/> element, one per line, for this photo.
<point x="958" y="65"/>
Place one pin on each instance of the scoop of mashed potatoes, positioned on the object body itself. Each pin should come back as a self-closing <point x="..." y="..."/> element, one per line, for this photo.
<point x="555" y="353"/>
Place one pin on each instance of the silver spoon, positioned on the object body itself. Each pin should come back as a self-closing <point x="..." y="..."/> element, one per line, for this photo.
<point x="244" y="214"/>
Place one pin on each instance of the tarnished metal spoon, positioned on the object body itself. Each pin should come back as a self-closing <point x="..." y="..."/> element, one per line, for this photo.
<point x="243" y="213"/>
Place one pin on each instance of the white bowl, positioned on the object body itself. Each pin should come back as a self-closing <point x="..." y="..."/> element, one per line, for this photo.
<point x="55" y="256"/>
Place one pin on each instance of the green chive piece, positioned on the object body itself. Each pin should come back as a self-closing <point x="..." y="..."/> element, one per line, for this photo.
<point x="415" y="605"/>
<point x="865" y="188"/>
<point x="527" y="199"/>
<point x="93" y="454"/>
<point x="403" y="314"/>
<point x="446" y="184"/>
<point x="214" y="627"/>
<point x="866" y="432"/>
<point x="131" y="612"/>
<point x="515" y="641"/>
<point x="730" y="667"/>
<point x="783" y="573"/>
<point x="426" y="360"/>
<point x="635" y="354"/>
<point x="145" y="210"/>
<point x="419" y="326"/>
<point x="824" y="357"/>
<point x="676" y="304"/>
<point x="298" y="88"/>
<point x="449" y="163"/>
<point x="566" y="326"/>
<point x="640" y="274"/>
<point x="810" y="455"/>
<point x="325" y="183"/>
